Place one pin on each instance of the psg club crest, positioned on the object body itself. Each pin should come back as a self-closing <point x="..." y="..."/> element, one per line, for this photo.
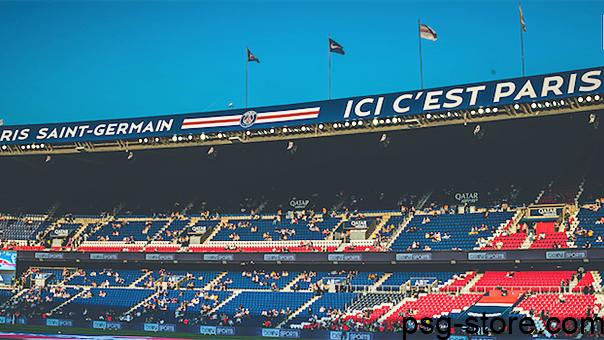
<point x="248" y="119"/>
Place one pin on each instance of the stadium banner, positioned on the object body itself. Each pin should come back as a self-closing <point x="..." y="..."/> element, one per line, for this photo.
<point x="490" y="256"/>
<point x="422" y="281"/>
<point x="359" y="224"/>
<point x="485" y="94"/>
<point x="8" y="260"/>
<point x="197" y="230"/>
<point x="59" y="322"/>
<point x="420" y="256"/>
<point x="49" y="256"/>
<point x="566" y="255"/>
<point x="295" y="203"/>
<point x="104" y="257"/>
<point x="60" y="233"/>
<point x="551" y="212"/>
<point x="159" y="257"/>
<point x="467" y="197"/>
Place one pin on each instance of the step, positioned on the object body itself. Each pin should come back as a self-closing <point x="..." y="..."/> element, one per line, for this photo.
<point x="299" y="310"/>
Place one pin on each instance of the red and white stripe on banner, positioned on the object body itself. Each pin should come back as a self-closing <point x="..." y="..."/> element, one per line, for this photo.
<point x="262" y="118"/>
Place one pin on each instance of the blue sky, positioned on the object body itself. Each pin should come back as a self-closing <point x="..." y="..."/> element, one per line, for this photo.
<point x="88" y="60"/>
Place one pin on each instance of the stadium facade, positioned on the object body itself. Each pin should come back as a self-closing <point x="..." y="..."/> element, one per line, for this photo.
<point x="347" y="236"/>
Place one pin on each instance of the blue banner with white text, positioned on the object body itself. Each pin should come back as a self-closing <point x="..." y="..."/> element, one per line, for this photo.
<point x="487" y="94"/>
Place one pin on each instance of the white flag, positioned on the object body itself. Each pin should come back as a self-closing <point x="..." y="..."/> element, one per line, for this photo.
<point x="426" y="32"/>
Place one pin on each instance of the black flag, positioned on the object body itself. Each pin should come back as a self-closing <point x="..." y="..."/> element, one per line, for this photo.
<point x="250" y="56"/>
<point x="335" y="47"/>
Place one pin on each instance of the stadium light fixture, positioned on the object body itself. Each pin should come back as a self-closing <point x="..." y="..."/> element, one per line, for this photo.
<point x="593" y="121"/>
<point x="347" y="124"/>
<point x="320" y="126"/>
<point x="375" y="122"/>
<point x="597" y="97"/>
<point x="131" y="157"/>
<point x="212" y="153"/>
<point x="428" y="115"/>
<point x="478" y="132"/>
<point x="580" y="99"/>
<point x="384" y="141"/>
<point x="291" y="148"/>
<point x="4" y="147"/>
<point x="360" y="123"/>
<point x="272" y="130"/>
<point x="516" y="106"/>
<point x="588" y="99"/>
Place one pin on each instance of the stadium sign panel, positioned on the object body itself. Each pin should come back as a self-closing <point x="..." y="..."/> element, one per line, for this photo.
<point x="503" y="92"/>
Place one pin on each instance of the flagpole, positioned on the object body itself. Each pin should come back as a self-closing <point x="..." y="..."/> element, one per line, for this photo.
<point x="521" y="41"/>
<point x="421" y="72"/>
<point x="329" y="52"/>
<point x="246" y="62"/>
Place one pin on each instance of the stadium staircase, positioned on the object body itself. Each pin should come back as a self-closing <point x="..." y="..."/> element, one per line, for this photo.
<point x="466" y="289"/>
<point x="21" y="292"/>
<point x="528" y="241"/>
<point x="116" y="210"/>
<point x="572" y="284"/>
<point x="570" y="230"/>
<point x="214" y="232"/>
<point x="140" y="279"/>
<point x="188" y="207"/>
<point x="213" y="282"/>
<point x="395" y="308"/>
<point x="53" y="209"/>
<point x="331" y="233"/>
<point x="400" y="229"/>
<point x="261" y="207"/>
<point x="600" y="300"/>
<point x="140" y="303"/>
<point x="299" y="310"/>
<point x="383" y="221"/>
<point x="288" y="287"/>
<point x="379" y="282"/>
<point x="161" y="230"/>
<point x="597" y="280"/>
<point x="225" y="301"/>
<point x="84" y="290"/>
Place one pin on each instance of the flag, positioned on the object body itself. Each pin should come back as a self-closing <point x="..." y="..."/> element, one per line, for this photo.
<point x="250" y="56"/>
<point x="426" y="32"/>
<point x="521" y="17"/>
<point x="335" y="47"/>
